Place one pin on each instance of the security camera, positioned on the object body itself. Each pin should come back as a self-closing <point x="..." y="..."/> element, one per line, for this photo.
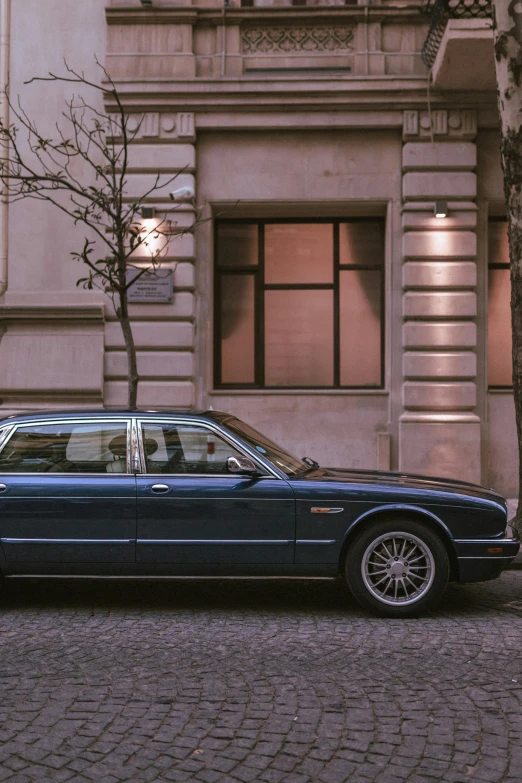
<point x="182" y="194"/>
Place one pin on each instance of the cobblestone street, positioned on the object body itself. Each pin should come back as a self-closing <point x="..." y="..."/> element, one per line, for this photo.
<point x="237" y="680"/>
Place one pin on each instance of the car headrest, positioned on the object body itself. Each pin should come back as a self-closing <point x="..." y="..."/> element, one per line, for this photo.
<point x="118" y="446"/>
<point x="150" y="446"/>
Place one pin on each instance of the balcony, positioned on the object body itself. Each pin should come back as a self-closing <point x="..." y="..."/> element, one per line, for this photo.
<point x="459" y="45"/>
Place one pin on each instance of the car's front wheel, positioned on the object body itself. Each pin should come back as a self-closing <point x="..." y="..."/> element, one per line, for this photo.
<point x="397" y="567"/>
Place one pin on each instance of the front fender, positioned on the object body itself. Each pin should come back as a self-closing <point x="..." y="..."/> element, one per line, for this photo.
<point x="393" y="508"/>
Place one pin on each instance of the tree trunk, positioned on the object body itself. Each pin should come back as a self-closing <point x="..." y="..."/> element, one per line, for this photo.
<point x="132" y="365"/>
<point x="507" y="27"/>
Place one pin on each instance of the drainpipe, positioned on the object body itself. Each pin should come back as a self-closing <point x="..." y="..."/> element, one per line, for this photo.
<point x="5" y="18"/>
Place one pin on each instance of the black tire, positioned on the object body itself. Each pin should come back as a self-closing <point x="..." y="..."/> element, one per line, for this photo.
<point x="410" y="587"/>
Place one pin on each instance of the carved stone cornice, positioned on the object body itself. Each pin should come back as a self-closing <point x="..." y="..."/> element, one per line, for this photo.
<point x="290" y="94"/>
<point x="141" y="15"/>
<point x="138" y="15"/>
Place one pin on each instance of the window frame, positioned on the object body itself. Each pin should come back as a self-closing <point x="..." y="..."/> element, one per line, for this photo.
<point x="494" y="265"/>
<point x="48" y="422"/>
<point x="269" y="471"/>
<point x="257" y="272"/>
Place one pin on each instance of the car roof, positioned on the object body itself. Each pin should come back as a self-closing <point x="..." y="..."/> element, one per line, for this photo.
<point x="42" y="415"/>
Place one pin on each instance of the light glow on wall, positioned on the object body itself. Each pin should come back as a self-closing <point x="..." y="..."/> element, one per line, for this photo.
<point x="153" y="235"/>
<point x="441" y="243"/>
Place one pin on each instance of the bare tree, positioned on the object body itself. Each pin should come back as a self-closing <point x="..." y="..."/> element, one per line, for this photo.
<point x="37" y="167"/>
<point x="507" y="27"/>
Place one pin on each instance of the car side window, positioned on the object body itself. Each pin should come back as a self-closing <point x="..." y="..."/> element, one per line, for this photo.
<point x="67" y="447"/>
<point x="183" y="448"/>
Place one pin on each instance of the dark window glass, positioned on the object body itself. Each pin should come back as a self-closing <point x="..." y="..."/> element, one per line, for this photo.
<point x="67" y="448"/>
<point x="499" y="307"/>
<point x="237" y="244"/>
<point x="299" y="304"/>
<point x="361" y="244"/>
<point x="179" y="448"/>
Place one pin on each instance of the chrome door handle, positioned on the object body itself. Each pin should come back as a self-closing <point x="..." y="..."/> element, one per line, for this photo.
<point x="159" y="488"/>
<point x="3" y="487"/>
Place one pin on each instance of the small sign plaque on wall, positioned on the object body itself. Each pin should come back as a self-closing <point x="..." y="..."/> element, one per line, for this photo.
<point x="151" y="288"/>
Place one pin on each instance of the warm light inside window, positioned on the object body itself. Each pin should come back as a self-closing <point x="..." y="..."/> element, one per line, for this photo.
<point x="299" y="304"/>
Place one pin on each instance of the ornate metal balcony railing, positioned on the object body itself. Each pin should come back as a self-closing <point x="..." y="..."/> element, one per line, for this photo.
<point x="444" y="10"/>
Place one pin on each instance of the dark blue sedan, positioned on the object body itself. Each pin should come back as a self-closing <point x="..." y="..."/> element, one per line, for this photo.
<point x="145" y="493"/>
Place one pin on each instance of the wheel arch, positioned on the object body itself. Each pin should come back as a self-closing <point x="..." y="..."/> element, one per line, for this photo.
<point x="397" y="510"/>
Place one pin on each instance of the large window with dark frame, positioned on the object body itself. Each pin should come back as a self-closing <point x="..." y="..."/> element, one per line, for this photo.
<point x="299" y="304"/>
<point x="499" y="307"/>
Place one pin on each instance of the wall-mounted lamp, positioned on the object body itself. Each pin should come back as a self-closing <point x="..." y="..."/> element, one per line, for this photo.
<point x="441" y="209"/>
<point x="147" y="213"/>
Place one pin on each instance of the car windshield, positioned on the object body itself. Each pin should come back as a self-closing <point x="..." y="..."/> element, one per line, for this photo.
<point x="267" y="448"/>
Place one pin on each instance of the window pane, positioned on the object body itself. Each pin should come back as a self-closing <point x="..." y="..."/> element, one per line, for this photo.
<point x="498" y="246"/>
<point x="299" y="253"/>
<point x="360" y="328"/>
<point x="499" y="328"/>
<point x="237" y="244"/>
<point x="237" y="329"/>
<point x="67" y="448"/>
<point x="171" y="448"/>
<point x="362" y="243"/>
<point x="299" y="338"/>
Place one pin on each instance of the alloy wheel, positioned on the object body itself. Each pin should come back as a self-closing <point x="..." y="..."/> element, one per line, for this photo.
<point x="398" y="568"/>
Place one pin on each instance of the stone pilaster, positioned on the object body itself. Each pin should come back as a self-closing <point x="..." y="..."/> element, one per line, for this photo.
<point x="164" y="333"/>
<point x="439" y="430"/>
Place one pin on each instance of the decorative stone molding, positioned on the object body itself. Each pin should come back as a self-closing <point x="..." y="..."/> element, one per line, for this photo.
<point x="156" y="125"/>
<point x="286" y="40"/>
<point x="186" y="125"/>
<point x="453" y="123"/>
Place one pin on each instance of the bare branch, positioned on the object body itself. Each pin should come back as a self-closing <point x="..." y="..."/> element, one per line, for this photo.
<point x="43" y="169"/>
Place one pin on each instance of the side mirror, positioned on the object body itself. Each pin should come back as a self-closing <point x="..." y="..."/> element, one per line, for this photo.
<point x="241" y="465"/>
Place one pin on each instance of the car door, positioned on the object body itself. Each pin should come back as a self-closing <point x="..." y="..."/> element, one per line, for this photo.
<point x="192" y="511"/>
<point x="67" y="494"/>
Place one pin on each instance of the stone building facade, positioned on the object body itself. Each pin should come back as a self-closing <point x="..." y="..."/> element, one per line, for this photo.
<point x="319" y="298"/>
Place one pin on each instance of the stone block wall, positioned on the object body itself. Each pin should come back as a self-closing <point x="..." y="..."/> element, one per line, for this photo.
<point x="164" y="333"/>
<point x="439" y="429"/>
